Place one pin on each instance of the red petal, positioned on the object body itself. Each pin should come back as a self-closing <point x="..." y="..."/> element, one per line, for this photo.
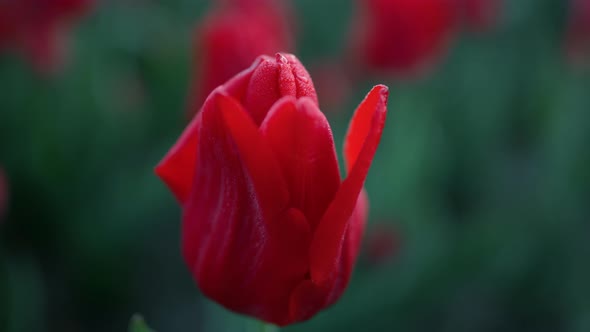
<point x="237" y="85"/>
<point x="350" y="246"/>
<point x="302" y="142"/>
<point x="354" y="234"/>
<point x="258" y="158"/>
<point x="221" y="219"/>
<point x="236" y="258"/>
<point x="308" y="297"/>
<point x="359" y="128"/>
<point x="286" y="79"/>
<point x="208" y="79"/>
<point x="306" y="300"/>
<point x="178" y="166"/>
<point x="325" y="250"/>
<point x="303" y="84"/>
<point x="263" y="90"/>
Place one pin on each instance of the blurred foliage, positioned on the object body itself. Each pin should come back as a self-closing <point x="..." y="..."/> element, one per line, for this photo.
<point x="137" y="324"/>
<point x="484" y="170"/>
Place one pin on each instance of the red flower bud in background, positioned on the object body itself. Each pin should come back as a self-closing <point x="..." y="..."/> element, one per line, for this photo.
<point x="269" y="229"/>
<point x="479" y="15"/>
<point x="403" y="37"/>
<point x="382" y="243"/>
<point x="231" y="37"/>
<point x="37" y="28"/>
<point x="332" y="83"/>
<point x="578" y="33"/>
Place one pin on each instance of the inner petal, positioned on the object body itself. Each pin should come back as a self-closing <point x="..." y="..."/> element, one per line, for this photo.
<point x="301" y="139"/>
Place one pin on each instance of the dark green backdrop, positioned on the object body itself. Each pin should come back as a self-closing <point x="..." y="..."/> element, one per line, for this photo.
<point x="483" y="172"/>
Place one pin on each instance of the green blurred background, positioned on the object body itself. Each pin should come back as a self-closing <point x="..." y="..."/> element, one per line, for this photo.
<point x="483" y="175"/>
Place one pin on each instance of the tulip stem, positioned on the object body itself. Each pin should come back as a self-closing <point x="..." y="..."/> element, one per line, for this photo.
<point x="265" y="327"/>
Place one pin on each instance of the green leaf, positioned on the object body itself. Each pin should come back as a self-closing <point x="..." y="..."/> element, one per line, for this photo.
<point x="137" y="324"/>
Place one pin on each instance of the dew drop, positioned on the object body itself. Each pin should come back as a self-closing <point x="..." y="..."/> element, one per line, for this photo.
<point x="302" y="78"/>
<point x="282" y="59"/>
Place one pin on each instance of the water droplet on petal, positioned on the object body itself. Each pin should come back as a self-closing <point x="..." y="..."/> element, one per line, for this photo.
<point x="281" y="58"/>
<point x="303" y="78"/>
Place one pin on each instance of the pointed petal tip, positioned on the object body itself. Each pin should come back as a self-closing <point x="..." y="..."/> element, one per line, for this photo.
<point x="172" y="181"/>
<point x="361" y="144"/>
<point x="372" y="108"/>
<point x="383" y="89"/>
<point x="384" y="97"/>
<point x="159" y="171"/>
<point x="162" y="170"/>
<point x="280" y="57"/>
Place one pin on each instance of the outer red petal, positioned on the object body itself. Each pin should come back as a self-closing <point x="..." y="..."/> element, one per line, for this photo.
<point x="221" y="221"/>
<point x="308" y="297"/>
<point x="239" y="257"/>
<point x="178" y="166"/>
<point x="350" y="246"/>
<point x="302" y="141"/>
<point x="326" y="246"/>
<point x="358" y="129"/>
<point x="354" y="234"/>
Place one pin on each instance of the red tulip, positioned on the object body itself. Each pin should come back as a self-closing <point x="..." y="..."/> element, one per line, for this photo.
<point x="231" y="37"/>
<point x="382" y="243"/>
<point x="269" y="229"/>
<point x="37" y="28"/>
<point x="402" y="36"/>
<point x="578" y="33"/>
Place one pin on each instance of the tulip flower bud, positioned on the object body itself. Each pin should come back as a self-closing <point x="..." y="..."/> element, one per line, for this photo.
<point x="231" y="37"/>
<point x="383" y="243"/>
<point x="402" y="36"/>
<point x="578" y="33"/>
<point x="480" y="15"/>
<point x="269" y="229"/>
<point x="37" y="28"/>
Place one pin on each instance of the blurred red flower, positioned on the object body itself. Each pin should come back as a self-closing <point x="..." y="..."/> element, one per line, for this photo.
<point x="332" y="83"/>
<point x="382" y="243"/>
<point x="37" y="28"/>
<point x="231" y="36"/>
<point x="578" y="33"/>
<point x="479" y="15"/>
<point x="404" y="37"/>
<point x="269" y="229"/>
